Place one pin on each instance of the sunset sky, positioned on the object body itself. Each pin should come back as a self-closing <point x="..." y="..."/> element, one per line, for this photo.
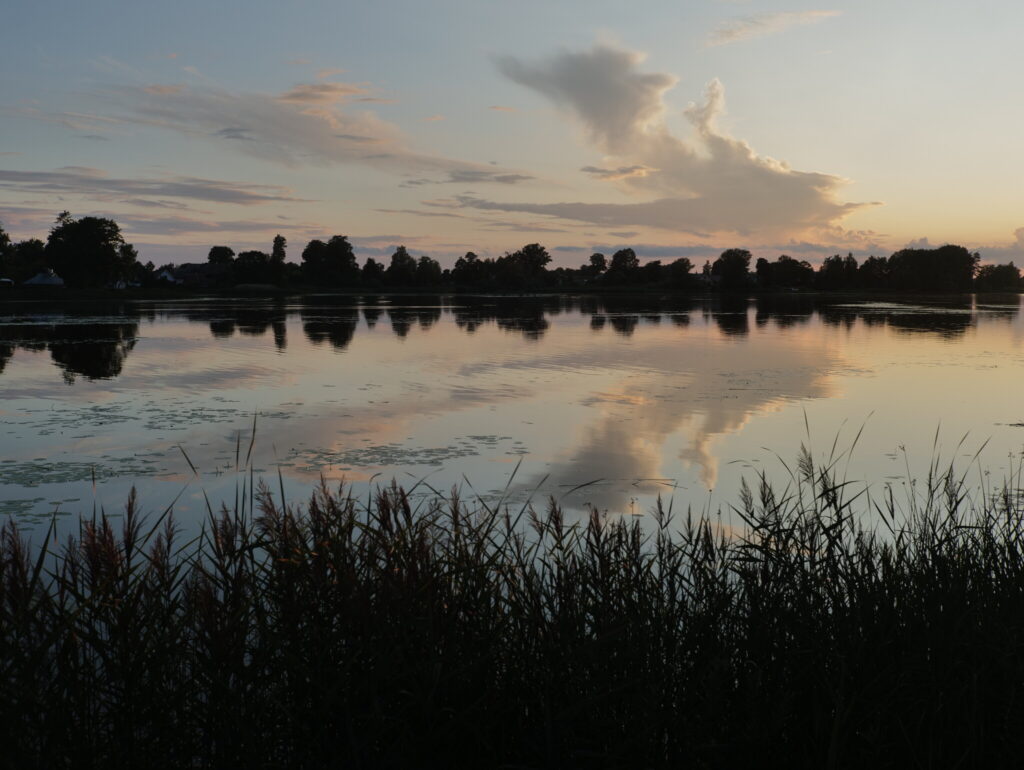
<point x="677" y="128"/>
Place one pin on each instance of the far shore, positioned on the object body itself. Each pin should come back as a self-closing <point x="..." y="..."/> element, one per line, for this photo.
<point x="51" y="294"/>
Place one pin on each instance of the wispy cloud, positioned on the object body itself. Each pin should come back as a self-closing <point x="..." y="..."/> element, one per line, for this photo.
<point x="92" y="182"/>
<point x="182" y="225"/>
<point x="321" y="93"/>
<point x="310" y="124"/>
<point x="501" y="108"/>
<point x="163" y="90"/>
<point x="763" y="24"/>
<point x="616" y="174"/>
<point x="470" y="176"/>
<point x="418" y="213"/>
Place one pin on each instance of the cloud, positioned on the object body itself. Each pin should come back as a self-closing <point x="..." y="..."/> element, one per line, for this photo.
<point x="234" y="132"/>
<point x="470" y="176"/>
<point x="417" y="213"/>
<point x="157" y="204"/>
<point x="163" y="90"/>
<point x="501" y="108"/>
<point x="615" y="174"/>
<point x="179" y="225"/>
<point x="311" y="124"/>
<point x="92" y="182"/>
<point x="327" y="72"/>
<point x="763" y="24"/>
<point x="434" y="118"/>
<point x="602" y="86"/>
<point x="1005" y="252"/>
<point x="357" y="138"/>
<point x="522" y="227"/>
<point x="321" y="93"/>
<point x="714" y="183"/>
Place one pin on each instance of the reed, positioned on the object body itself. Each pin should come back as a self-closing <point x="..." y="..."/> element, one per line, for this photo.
<point x="823" y="629"/>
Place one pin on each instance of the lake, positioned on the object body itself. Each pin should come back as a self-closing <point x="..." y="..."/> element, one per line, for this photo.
<point x="599" y="402"/>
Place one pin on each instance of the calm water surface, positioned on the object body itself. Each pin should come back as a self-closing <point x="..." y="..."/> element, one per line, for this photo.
<point x="641" y="397"/>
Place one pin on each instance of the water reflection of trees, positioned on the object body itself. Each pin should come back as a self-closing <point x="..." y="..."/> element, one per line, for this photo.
<point x="96" y="351"/>
<point x="252" y="321"/>
<point x="336" y="326"/>
<point x="94" y="342"/>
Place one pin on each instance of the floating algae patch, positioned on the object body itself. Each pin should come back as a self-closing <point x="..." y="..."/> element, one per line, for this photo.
<point x="25" y="507"/>
<point x="33" y="473"/>
<point x="46" y="422"/>
<point x="179" y="418"/>
<point x="398" y="455"/>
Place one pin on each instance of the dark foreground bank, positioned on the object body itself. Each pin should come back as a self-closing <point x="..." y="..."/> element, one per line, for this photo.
<point x="391" y="634"/>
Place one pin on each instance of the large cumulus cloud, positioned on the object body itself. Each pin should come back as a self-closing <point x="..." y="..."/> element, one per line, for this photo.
<point x="711" y="183"/>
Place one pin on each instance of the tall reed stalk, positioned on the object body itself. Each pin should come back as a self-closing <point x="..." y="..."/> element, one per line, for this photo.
<point x="440" y="633"/>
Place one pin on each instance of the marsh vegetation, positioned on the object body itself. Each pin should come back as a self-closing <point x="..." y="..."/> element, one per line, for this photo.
<point x="807" y="625"/>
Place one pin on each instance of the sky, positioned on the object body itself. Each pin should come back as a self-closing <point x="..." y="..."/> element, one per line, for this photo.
<point x="675" y="128"/>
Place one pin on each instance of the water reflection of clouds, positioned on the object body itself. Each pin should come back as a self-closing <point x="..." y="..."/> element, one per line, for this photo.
<point x="700" y="388"/>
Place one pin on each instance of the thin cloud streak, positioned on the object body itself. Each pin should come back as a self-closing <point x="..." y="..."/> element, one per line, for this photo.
<point x="764" y="24"/>
<point x="92" y="182"/>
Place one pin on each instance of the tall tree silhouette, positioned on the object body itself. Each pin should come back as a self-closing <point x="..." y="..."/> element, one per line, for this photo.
<point x="332" y="263"/>
<point x="402" y="270"/>
<point x="731" y="268"/>
<point x="90" y="251"/>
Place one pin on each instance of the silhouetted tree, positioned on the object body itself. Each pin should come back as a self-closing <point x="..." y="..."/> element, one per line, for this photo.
<point x="277" y="259"/>
<point x="373" y="273"/>
<point x="763" y="271"/>
<point x="595" y="267"/>
<point x="402" y="270"/>
<point x="524" y="268"/>
<point x="731" y="268"/>
<point x="791" y="273"/>
<point x="679" y="273"/>
<point x="332" y="263"/>
<point x="24" y="260"/>
<point x="89" y="251"/>
<point x="469" y="270"/>
<point x="428" y="272"/>
<point x="873" y="273"/>
<point x="221" y="255"/>
<point x="998" y="278"/>
<point x="534" y="258"/>
<point x="623" y="267"/>
<point x="831" y="274"/>
<point x="253" y="267"/>
<point x="947" y="268"/>
<point x="651" y="272"/>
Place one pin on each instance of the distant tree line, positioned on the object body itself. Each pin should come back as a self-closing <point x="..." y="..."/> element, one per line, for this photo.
<point x="92" y="252"/>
